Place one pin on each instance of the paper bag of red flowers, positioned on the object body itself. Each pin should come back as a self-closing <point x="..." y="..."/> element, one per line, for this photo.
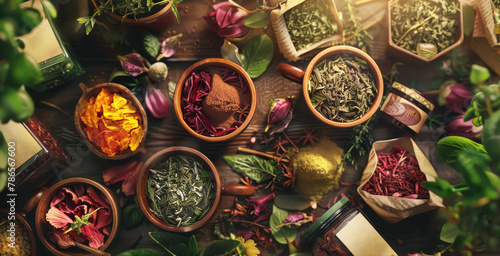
<point x="392" y="180"/>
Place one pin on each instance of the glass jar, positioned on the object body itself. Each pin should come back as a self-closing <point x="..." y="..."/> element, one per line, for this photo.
<point x="342" y="231"/>
<point x="406" y="108"/>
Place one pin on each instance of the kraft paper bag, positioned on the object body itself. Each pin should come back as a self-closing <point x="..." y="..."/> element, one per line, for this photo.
<point x="394" y="209"/>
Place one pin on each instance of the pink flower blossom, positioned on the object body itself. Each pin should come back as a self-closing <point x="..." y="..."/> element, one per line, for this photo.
<point x="227" y="20"/>
<point x="96" y="239"/>
<point x="455" y="97"/>
<point x="280" y="114"/>
<point x="293" y="218"/>
<point x="260" y="203"/>
<point x="458" y="127"/>
<point x="57" y="218"/>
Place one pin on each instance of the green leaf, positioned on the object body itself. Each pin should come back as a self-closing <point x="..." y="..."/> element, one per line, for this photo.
<point x="16" y="104"/>
<point x="224" y="228"/>
<point x="176" y="13"/>
<point x="281" y="234"/>
<point x="141" y="252"/>
<point x="220" y="247"/>
<point x="24" y="70"/>
<point x="132" y="216"/>
<point x="440" y="187"/>
<point x="170" y="241"/>
<point x="449" y="147"/>
<point x="171" y="89"/>
<point x="151" y="44"/>
<point x="478" y="74"/>
<point x="229" y="51"/>
<point x="258" y="53"/>
<point x="254" y="167"/>
<point x="83" y="20"/>
<point x="49" y="8"/>
<point x="491" y="135"/>
<point x="257" y="19"/>
<point x="118" y="74"/>
<point x="28" y="19"/>
<point x="192" y="246"/>
<point x="296" y="202"/>
<point x="449" y="232"/>
<point x="472" y="165"/>
<point x="4" y="157"/>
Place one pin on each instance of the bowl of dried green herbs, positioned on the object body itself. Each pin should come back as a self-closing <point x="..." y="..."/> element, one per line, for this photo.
<point x="423" y="30"/>
<point x="342" y="85"/>
<point x="179" y="189"/>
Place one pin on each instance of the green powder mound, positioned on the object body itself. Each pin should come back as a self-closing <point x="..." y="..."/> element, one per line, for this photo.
<point x="317" y="169"/>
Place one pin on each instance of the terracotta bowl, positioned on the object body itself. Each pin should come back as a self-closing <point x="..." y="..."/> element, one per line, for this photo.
<point x="214" y="63"/>
<point x="155" y="21"/>
<point x="22" y="220"/>
<point x="113" y="88"/>
<point x="234" y="190"/>
<point x="407" y="55"/>
<point x="300" y="76"/>
<point x="43" y="227"/>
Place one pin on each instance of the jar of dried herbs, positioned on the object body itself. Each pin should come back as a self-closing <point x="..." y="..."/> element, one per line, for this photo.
<point x="180" y="191"/>
<point x="345" y="231"/>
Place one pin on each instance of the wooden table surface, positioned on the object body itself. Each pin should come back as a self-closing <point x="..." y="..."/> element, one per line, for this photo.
<point x="98" y="58"/>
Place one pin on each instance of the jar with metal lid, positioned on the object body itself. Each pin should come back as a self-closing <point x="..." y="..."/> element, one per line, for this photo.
<point x="344" y="230"/>
<point x="406" y="108"/>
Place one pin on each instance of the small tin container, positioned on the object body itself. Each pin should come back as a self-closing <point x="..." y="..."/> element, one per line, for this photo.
<point x="406" y="108"/>
<point x="343" y="230"/>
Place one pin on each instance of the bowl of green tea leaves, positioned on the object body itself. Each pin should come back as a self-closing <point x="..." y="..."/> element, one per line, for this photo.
<point x="179" y="189"/>
<point x="424" y="30"/>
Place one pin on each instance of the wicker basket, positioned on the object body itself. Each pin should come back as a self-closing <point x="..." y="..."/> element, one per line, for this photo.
<point x="485" y="10"/>
<point x="283" y="37"/>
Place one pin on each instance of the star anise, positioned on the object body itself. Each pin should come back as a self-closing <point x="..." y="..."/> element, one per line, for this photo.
<point x="243" y="111"/>
<point x="308" y="137"/>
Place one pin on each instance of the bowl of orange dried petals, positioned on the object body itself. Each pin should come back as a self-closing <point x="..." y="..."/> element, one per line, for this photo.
<point x="111" y="121"/>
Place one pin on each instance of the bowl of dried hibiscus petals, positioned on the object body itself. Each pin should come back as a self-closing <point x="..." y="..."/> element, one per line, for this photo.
<point x="77" y="210"/>
<point x="215" y="100"/>
<point x="111" y="121"/>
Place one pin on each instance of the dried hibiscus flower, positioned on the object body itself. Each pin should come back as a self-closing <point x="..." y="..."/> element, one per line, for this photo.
<point x="127" y="173"/>
<point x="79" y="214"/>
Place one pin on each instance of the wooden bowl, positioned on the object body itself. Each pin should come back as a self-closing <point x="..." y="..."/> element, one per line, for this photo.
<point x="409" y="56"/>
<point x="22" y="220"/>
<point x="234" y="190"/>
<point x="153" y="22"/>
<point x="214" y="63"/>
<point x="113" y="88"/>
<point x="43" y="227"/>
<point x="300" y="76"/>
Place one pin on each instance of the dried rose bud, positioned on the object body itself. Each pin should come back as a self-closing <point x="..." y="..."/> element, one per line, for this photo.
<point x="458" y="127"/>
<point x="227" y="20"/>
<point x="260" y="203"/>
<point x="133" y="64"/>
<point x="455" y="97"/>
<point x="156" y="103"/>
<point x="280" y="114"/>
<point x="169" y="46"/>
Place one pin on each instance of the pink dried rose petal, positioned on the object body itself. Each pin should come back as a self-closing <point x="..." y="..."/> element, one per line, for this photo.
<point x="227" y="20"/>
<point x="95" y="238"/>
<point x="260" y="203"/>
<point x="63" y="207"/>
<point x="106" y="230"/>
<point x="57" y="218"/>
<point x="58" y="197"/>
<point x="63" y="240"/>
<point x="293" y="218"/>
<point x="79" y="190"/>
<point x="118" y="172"/>
<point x="81" y="210"/>
<point x="129" y="184"/>
<point x="97" y="198"/>
<point x="132" y="63"/>
<point x="104" y="218"/>
<point x="169" y="46"/>
<point x="77" y="237"/>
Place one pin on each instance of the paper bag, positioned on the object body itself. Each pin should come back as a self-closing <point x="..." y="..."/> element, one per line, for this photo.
<point x="393" y="209"/>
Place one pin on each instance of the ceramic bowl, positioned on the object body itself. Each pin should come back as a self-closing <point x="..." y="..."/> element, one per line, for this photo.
<point x="113" y="88"/>
<point x="235" y="190"/>
<point x="410" y="56"/>
<point x="207" y="64"/>
<point x="302" y="76"/>
<point x="43" y="227"/>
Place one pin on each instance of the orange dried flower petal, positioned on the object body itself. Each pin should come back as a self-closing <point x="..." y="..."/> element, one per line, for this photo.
<point x="136" y="138"/>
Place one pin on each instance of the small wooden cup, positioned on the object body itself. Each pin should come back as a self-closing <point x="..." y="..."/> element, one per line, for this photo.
<point x="231" y="190"/>
<point x="300" y="76"/>
<point x="122" y="91"/>
<point x="42" y="226"/>
<point x="214" y="63"/>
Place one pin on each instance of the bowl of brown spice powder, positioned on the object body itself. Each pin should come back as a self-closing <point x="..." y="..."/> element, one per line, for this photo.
<point x="215" y="100"/>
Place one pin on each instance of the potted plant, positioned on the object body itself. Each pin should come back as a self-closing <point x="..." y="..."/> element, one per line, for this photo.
<point x="147" y="14"/>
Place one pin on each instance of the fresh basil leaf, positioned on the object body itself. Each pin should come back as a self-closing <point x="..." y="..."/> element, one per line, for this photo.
<point x="170" y="241"/>
<point x="440" y="187"/>
<point x="221" y="248"/>
<point x="151" y="44"/>
<point x="141" y="252"/>
<point x="257" y="19"/>
<point x="449" y="147"/>
<point x="258" y="53"/>
<point x="132" y="216"/>
<point x="254" y="167"/>
<point x="491" y="135"/>
<point x="281" y="234"/>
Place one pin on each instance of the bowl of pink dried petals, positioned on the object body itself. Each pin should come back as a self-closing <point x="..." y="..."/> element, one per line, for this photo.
<point x="77" y="210"/>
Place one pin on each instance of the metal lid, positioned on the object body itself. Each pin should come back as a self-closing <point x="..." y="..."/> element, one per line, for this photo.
<point x="413" y="94"/>
<point x="324" y="221"/>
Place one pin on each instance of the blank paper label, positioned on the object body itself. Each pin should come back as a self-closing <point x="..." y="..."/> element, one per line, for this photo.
<point x="362" y="239"/>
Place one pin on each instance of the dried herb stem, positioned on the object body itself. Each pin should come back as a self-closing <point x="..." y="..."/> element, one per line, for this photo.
<point x="255" y="152"/>
<point x="416" y="26"/>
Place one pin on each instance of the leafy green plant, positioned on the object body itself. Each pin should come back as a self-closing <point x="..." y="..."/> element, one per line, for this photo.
<point x="17" y="69"/>
<point x="132" y="9"/>
<point x="254" y="167"/>
<point x="487" y="98"/>
<point x="180" y="245"/>
<point x="473" y="219"/>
